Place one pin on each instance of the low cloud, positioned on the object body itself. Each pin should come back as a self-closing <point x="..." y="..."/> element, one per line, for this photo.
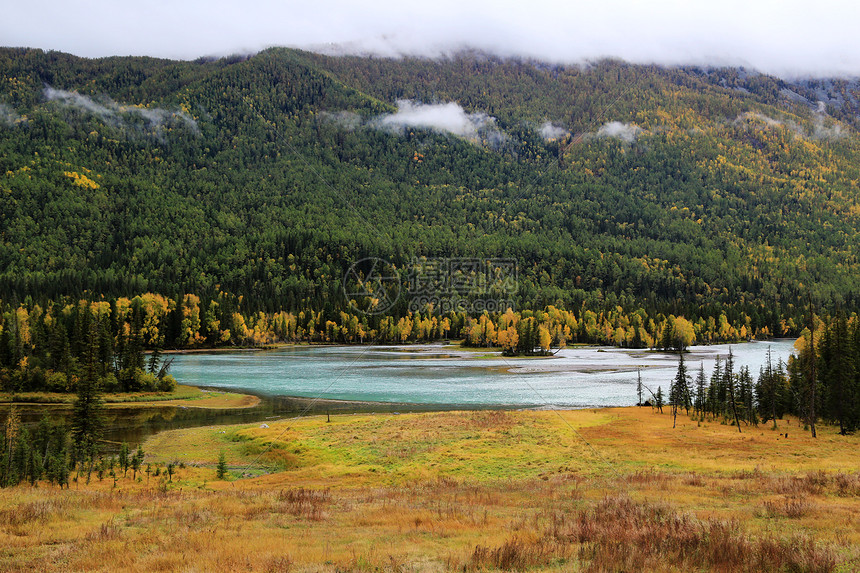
<point x="442" y="117"/>
<point x="822" y="126"/>
<point x="121" y="116"/>
<point x="617" y="130"/>
<point x="8" y="116"/>
<point x="760" y="35"/>
<point x="445" y="118"/>
<point x="549" y="131"/>
<point x="758" y="117"/>
<point x="347" y="119"/>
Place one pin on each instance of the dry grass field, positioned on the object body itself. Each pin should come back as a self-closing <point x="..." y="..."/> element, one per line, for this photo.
<point x="590" y="490"/>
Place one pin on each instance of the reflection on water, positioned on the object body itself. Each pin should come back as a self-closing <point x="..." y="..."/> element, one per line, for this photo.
<point x="134" y="424"/>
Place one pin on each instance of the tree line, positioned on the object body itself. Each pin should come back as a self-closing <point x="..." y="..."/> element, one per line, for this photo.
<point x="820" y="382"/>
<point x="119" y="343"/>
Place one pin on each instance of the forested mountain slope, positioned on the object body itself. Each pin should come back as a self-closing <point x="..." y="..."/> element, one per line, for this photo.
<point x="684" y="191"/>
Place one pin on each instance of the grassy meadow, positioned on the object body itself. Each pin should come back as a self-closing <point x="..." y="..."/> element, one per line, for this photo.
<point x="188" y="396"/>
<point x="591" y="490"/>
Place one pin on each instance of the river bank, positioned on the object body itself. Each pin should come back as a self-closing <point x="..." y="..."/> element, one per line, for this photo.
<point x="187" y="396"/>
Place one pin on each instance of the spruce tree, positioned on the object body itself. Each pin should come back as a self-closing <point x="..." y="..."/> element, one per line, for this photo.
<point x="678" y="390"/>
<point x="124" y="460"/>
<point x="701" y="390"/>
<point x="87" y="420"/>
<point x="812" y="377"/>
<point x="766" y="391"/>
<point x="838" y="375"/>
<point x="729" y="381"/>
<point x="747" y="396"/>
<point x="715" y="397"/>
<point x="136" y="462"/>
<point x="221" y="470"/>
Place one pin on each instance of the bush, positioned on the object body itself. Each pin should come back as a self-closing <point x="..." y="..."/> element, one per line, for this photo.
<point x="110" y="383"/>
<point x="56" y="382"/>
<point x="146" y="381"/>
<point x="167" y="384"/>
<point x="36" y="379"/>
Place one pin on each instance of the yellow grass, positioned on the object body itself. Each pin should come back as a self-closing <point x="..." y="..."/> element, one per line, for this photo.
<point x="614" y="489"/>
<point x="188" y="396"/>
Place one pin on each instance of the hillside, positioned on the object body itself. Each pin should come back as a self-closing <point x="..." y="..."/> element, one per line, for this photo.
<point x="684" y="191"/>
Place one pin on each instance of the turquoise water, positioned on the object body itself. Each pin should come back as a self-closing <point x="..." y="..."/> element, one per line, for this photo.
<point x="438" y="375"/>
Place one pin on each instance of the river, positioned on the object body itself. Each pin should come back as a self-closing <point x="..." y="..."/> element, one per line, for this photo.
<point x="296" y="380"/>
<point x="448" y="376"/>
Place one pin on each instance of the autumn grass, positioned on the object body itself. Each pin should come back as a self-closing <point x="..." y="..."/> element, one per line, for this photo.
<point x="188" y="396"/>
<point x="590" y="490"/>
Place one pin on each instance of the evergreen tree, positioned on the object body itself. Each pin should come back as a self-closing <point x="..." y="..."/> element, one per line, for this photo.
<point x="678" y="389"/>
<point x="701" y="390"/>
<point x="136" y="461"/>
<point x="747" y="396"/>
<point x="838" y="375"/>
<point x="803" y="380"/>
<point x="124" y="460"/>
<point x="87" y="420"/>
<point x="770" y="391"/>
<point x="729" y="382"/>
<point x="812" y="377"/>
<point x="221" y="470"/>
<point x="716" y="393"/>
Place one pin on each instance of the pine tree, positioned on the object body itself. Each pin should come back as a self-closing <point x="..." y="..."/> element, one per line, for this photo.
<point x="729" y="381"/>
<point x="715" y="394"/>
<point x="678" y="389"/>
<point x="124" y="460"/>
<point x="766" y="391"/>
<point x="747" y="397"/>
<point x="838" y="375"/>
<point x="136" y="462"/>
<point x="812" y="379"/>
<point x="701" y="390"/>
<point x="667" y="336"/>
<point x="221" y="470"/>
<point x="87" y="421"/>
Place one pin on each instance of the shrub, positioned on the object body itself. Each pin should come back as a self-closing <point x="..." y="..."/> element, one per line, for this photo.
<point x="110" y="383"/>
<point x="147" y="381"/>
<point x="167" y="384"/>
<point x="56" y="382"/>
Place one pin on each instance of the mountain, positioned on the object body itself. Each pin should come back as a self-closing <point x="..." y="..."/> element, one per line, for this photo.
<point x="688" y="191"/>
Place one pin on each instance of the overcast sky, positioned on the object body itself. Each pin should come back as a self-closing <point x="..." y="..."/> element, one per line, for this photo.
<point x="785" y="37"/>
